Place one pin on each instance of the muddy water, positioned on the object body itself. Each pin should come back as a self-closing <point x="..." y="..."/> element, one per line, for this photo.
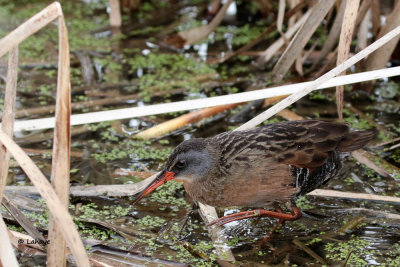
<point x="331" y="231"/>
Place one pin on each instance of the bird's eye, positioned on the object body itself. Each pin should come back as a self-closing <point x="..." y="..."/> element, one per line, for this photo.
<point x="180" y="164"/>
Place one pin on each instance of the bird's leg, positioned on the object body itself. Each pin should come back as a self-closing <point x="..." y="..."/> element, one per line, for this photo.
<point x="276" y="226"/>
<point x="294" y="215"/>
<point x="277" y="209"/>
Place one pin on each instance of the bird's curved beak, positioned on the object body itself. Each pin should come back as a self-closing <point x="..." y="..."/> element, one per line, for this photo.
<point x="161" y="179"/>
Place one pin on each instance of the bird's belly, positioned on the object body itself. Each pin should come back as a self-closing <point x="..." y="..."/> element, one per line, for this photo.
<point x="254" y="196"/>
<point x="255" y="191"/>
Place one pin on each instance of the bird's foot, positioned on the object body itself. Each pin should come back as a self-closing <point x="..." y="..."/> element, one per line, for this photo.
<point x="268" y="237"/>
<point x="294" y="215"/>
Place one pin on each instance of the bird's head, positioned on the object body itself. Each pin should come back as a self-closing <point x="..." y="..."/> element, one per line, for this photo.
<point x="189" y="162"/>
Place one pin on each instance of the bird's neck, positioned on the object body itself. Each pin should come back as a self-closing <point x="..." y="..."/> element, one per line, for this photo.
<point x="207" y="189"/>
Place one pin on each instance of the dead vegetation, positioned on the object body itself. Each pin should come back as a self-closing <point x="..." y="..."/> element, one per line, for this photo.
<point x="295" y="50"/>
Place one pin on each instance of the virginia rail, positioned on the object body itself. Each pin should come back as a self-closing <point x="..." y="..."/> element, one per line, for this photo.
<point x="263" y="167"/>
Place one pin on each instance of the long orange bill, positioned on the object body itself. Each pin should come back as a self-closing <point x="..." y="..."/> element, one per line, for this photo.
<point x="161" y="179"/>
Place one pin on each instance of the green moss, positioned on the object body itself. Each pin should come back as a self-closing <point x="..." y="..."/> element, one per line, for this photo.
<point x="164" y="141"/>
<point x="147" y="9"/>
<point x="106" y="213"/>
<point x="134" y="149"/>
<point x="40" y="219"/>
<point x="183" y="255"/>
<point x="396" y="156"/>
<point x="362" y="253"/>
<point x="238" y="69"/>
<point x="1" y="104"/>
<point x="94" y="232"/>
<point x="239" y="35"/>
<point x="317" y="95"/>
<point x="273" y="120"/>
<point x="303" y="203"/>
<point x="115" y="146"/>
<point x="356" y="123"/>
<point x="166" y="71"/>
<point x="359" y="249"/>
<point x="387" y="90"/>
<point x="349" y="180"/>
<point x="151" y="222"/>
<point x="233" y="242"/>
<point x="145" y="31"/>
<point x="80" y="19"/>
<point x="16" y="228"/>
<point x="166" y="194"/>
<point x="111" y="68"/>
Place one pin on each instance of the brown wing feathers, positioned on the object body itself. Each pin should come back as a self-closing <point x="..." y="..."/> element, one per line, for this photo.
<point x="313" y="148"/>
<point x="304" y="144"/>
<point x="355" y="140"/>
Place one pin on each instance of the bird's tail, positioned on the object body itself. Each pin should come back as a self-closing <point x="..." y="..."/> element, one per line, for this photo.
<point x="355" y="140"/>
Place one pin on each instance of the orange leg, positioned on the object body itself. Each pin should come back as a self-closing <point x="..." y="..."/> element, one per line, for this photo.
<point x="294" y="215"/>
<point x="276" y="226"/>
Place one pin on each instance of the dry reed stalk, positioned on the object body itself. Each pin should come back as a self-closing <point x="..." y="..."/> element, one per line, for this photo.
<point x="387" y="142"/>
<point x="242" y="50"/>
<point x="7" y="255"/>
<point x="298" y="64"/>
<point x="362" y="12"/>
<point x="376" y="163"/>
<point x="297" y="44"/>
<point x="333" y="35"/>
<point x="74" y="154"/>
<point x="136" y="174"/>
<point x="15" y="236"/>
<point x="292" y="4"/>
<point x="125" y="113"/>
<point x="213" y="7"/>
<point x="290" y="115"/>
<point x="57" y="209"/>
<point x="77" y="105"/>
<point x="370" y="120"/>
<point x="21" y="218"/>
<point x="309" y="251"/>
<point x="60" y="170"/>
<point x="382" y="56"/>
<point x="346" y="34"/>
<point x="363" y="32"/>
<point x="29" y="27"/>
<point x="321" y="80"/>
<point x="350" y="195"/>
<point x="273" y="100"/>
<point x="393" y="147"/>
<point x="61" y="146"/>
<point x="197" y="34"/>
<point x="329" y="63"/>
<point x="374" y="213"/>
<point x="181" y="121"/>
<point x="274" y="48"/>
<point x="245" y="47"/>
<point x="281" y="14"/>
<point x="209" y="214"/>
<point x="115" y="14"/>
<point x="117" y="190"/>
<point x="8" y="114"/>
<point x="376" y="17"/>
<point x="100" y="102"/>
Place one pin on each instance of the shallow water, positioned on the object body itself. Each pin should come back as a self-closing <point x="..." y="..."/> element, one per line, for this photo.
<point x="158" y="226"/>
